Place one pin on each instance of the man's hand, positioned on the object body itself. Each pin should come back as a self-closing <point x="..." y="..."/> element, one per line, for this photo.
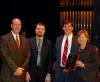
<point x="65" y="70"/>
<point x="19" y="71"/>
<point x="28" y="77"/>
<point x="48" y="78"/>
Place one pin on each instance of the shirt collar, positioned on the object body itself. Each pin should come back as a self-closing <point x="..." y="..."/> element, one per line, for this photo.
<point x="39" y="37"/>
<point x="14" y="35"/>
<point x="70" y="36"/>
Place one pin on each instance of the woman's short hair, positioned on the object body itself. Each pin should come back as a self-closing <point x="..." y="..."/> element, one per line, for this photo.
<point x="83" y="31"/>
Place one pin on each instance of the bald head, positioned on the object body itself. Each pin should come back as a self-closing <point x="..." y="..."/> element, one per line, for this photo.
<point x="16" y="25"/>
<point x="15" y="20"/>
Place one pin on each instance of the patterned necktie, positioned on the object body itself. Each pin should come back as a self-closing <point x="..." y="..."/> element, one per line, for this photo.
<point x="39" y="44"/>
<point x="39" y="52"/>
<point x="17" y="41"/>
<point x="64" y="57"/>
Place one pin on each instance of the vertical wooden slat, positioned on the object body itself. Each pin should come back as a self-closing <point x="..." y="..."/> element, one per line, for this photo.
<point x="87" y="19"/>
<point x="62" y="2"/>
<point x="73" y="3"/>
<point x="70" y="15"/>
<point x="66" y="3"/>
<point x="79" y="3"/>
<point x="61" y="18"/>
<point x="79" y="19"/>
<point x="92" y="2"/>
<point x="73" y="18"/>
<point x="90" y="23"/>
<point x="75" y="28"/>
<point x="82" y="19"/>
<point x="85" y="3"/>
<point x="74" y="22"/>
<point x="66" y="16"/>
<point x="70" y="2"/>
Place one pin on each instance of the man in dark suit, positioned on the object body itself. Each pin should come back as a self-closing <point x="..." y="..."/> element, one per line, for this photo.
<point x="40" y="60"/>
<point x="65" y="45"/>
<point x="15" y="54"/>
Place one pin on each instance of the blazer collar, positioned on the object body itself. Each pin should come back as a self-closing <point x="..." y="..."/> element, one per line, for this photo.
<point x="11" y="38"/>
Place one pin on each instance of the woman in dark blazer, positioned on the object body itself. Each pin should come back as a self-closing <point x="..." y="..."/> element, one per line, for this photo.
<point x="88" y="62"/>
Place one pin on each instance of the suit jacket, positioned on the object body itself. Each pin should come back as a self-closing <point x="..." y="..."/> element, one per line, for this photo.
<point x="58" y="70"/>
<point x="13" y="57"/>
<point x="91" y="60"/>
<point x="74" y="49"/>
<point x="46" y="61"/>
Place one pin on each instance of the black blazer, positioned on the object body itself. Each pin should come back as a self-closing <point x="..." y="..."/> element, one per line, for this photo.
<point x="91" y="60"/>
<point x="46" y="52"/>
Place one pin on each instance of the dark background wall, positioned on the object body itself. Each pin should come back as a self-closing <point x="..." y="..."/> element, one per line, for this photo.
<point x="31" y="12"/>
<point x="96" y="29"/>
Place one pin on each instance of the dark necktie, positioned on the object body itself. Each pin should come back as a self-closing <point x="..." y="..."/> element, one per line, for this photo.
<point x="64" y="57"/>
<point x="39" y="44"/>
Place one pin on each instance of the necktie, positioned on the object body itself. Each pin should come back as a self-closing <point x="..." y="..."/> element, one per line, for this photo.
<point x="39" y="44"/>
<point x="64" y="57"/>
<point x="39" y="52"/>
<point x="17" y="41"/>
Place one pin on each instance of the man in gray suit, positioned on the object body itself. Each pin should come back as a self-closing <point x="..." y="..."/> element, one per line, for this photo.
<point x="65" y="45"/>
<point x="15" y="54"/>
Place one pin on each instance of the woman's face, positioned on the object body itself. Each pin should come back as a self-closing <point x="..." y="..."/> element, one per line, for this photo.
<point x="82" y="39"/>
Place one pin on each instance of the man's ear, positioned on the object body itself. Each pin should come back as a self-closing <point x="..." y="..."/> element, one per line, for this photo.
<point x="11" y="25"/>
<point x="63" y="28"/>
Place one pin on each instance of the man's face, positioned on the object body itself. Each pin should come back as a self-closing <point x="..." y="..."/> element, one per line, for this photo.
<point x="16" y="25"/>
<point x="68" y="28"/>
<point x="40" y="30"/>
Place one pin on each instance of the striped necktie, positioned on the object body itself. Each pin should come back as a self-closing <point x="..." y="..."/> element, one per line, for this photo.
<point x="17" y="41"/>
<point x="64" y="57"/>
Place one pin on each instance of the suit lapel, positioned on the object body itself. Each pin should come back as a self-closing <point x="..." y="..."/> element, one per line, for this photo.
<point x="12" y="41"/>
<point x="59" y="47"/>
<point x="43" y="49"/>
<point x="72" y="44"/>
<point x="60" y="44"/>
<point x="35" y="43"/>
<point x="43" y="45"/>
<point x="21" y="44"/>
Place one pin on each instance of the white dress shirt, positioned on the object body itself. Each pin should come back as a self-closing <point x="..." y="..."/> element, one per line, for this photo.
<point x="14" y="35"/>
<point x="69" y="46"/>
